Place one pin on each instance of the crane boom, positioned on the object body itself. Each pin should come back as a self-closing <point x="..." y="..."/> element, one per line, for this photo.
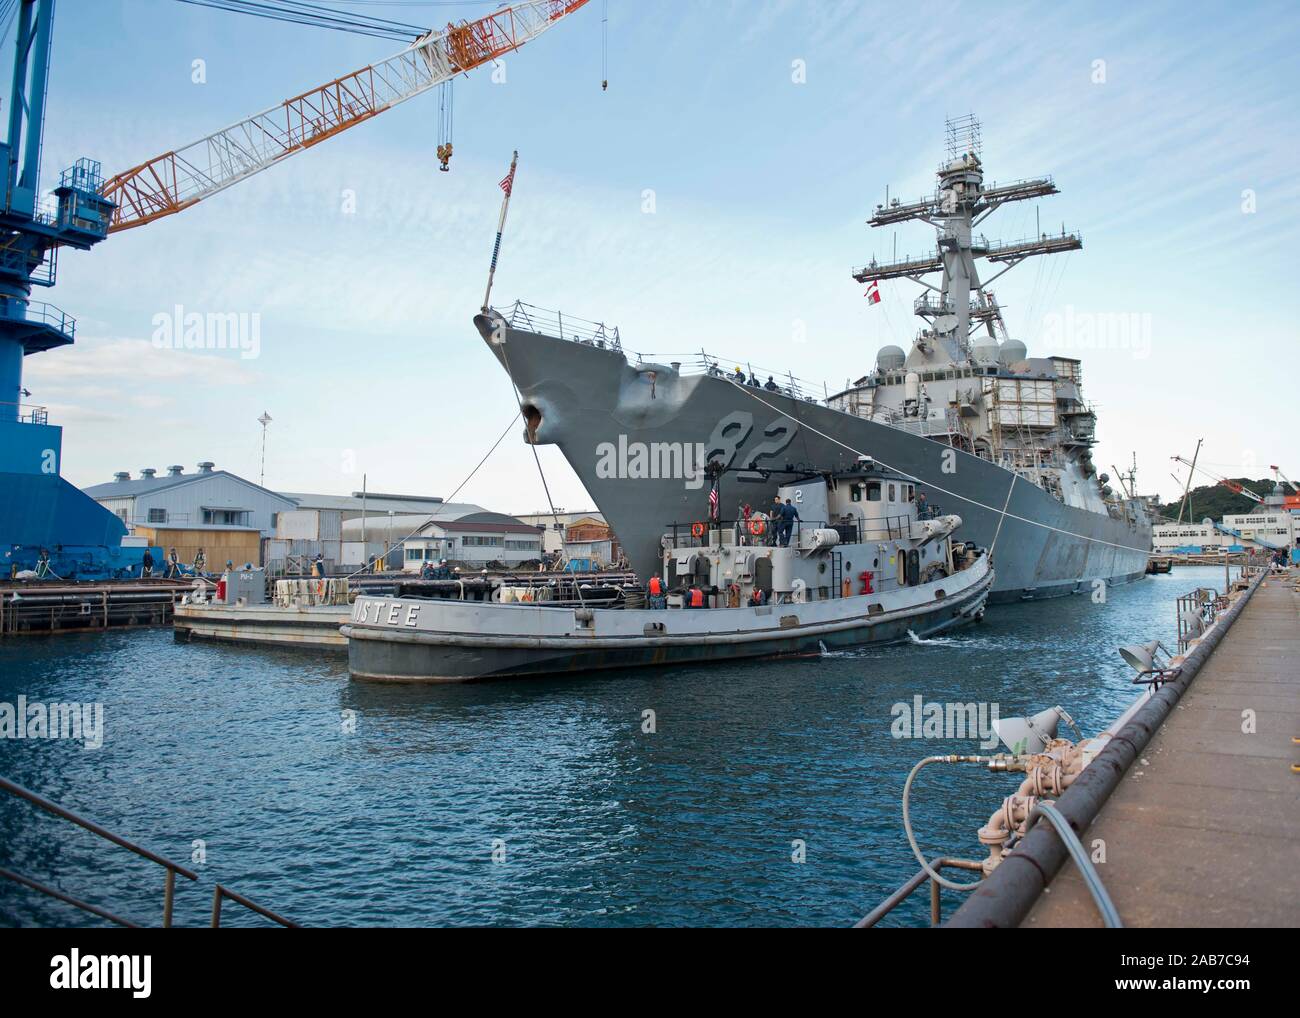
<point x="176" y="180"/>
<point x="1231" y="485"/>
<point x="1278" y="470"/>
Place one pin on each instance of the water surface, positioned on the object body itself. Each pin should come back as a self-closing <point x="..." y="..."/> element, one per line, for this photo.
<point x="592" y="820"/>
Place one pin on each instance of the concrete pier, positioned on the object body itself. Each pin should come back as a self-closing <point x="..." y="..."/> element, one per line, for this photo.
<point x="1204" y="829"/>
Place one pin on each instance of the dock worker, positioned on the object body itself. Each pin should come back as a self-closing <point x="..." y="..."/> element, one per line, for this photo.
<point x="655" y="588"/>
<point x="739" y="376"/>
<point x="770" y="385"/>
<point x="173" y="564"/>
<point x="788" y="516"/>
<point x="200" y="561"/>
<point x="146" y="564"/>
<point x="697" y="598"/>
<point x="318" y="566"/>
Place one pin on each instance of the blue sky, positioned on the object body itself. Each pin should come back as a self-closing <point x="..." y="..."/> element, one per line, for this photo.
<point x="369" y="363"/>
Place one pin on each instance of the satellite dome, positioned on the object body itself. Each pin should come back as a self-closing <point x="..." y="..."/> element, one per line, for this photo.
<point x="1012" y="351"/>
<point x="985" y="351"/>
<point x="890" y="358"/>
<point x="1104" y="478"/>
<point x="1207" y="522"/>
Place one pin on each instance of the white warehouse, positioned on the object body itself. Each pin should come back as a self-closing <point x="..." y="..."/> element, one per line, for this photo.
<point x="471" y="539"/>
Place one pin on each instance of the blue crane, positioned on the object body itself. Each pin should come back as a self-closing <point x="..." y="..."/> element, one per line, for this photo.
<point x="46" y="524"/>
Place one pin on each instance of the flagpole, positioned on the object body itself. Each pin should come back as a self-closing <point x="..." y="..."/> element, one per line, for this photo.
<point x="507" y="186"/>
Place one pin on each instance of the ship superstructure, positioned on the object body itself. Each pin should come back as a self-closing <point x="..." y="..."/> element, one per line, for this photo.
<point x="965" y="381"/>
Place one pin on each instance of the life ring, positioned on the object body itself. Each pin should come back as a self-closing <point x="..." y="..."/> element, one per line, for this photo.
<point x="756" y="527"/>
<point x="697" y="530"/>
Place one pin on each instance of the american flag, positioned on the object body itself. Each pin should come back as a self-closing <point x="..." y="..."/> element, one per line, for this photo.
<point x="713" y="501"/>
<point x="508" y="181"/>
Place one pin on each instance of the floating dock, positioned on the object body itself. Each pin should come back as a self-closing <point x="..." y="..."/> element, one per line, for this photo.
<point x="267" y="625"/>
<point x="303" y="617"/>
<point x="32" y="607"/>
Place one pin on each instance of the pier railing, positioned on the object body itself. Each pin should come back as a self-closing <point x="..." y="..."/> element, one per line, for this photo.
<point x="169" y="881"/>
<point x="910" y="888"/>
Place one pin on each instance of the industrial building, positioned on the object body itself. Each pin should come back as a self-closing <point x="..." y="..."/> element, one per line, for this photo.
<point x="473" y="539"/>
<point x="590" y="544"/>
<point x="1271" y="530"/>
<point x="220" y="512"/>
<point x="556" y="525"/>
<point x="233" y="519"/>
<point x="315" y="527"/>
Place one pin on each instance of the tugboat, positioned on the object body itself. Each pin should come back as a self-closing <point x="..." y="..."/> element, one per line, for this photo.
<point x="857" y="558"/>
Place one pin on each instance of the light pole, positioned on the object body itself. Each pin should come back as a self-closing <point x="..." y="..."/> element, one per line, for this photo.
<point x="264" y="420"/>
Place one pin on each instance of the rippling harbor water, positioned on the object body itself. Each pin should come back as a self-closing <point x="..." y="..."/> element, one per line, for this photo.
<point x="600" y="823"/>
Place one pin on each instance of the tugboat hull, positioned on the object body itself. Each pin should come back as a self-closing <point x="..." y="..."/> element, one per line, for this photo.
<point x="411" y="640"/>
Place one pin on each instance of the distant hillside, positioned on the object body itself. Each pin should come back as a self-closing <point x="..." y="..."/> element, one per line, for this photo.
<point x="1214" y="500"/>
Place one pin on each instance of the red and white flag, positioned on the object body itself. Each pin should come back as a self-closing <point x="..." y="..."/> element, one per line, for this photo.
<point x="873" y="293"/>
<point x="508" y="182"/>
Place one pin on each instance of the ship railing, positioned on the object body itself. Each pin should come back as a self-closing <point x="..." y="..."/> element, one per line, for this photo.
<point x="172" y="869"/>
<point x="948" y="424"/>
<point x="927" y="304"/>
<point x="781" y="383"/>
<point x="521" y="315"/>
<point x="759" y="531"/>
<point x="24" y="413"/>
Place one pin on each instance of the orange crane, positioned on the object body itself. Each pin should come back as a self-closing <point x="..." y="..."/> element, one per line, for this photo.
<point x="1227" y="482"/>
<point x="178" y="179"/>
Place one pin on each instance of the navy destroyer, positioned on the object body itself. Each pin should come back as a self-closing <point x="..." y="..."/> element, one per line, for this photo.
<point x="985" y="430"/>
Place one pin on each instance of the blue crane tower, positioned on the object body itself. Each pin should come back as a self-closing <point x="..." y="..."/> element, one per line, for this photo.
<point x="46" y="523"/>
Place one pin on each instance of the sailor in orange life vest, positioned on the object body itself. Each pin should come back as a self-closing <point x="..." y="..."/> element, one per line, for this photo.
<point x="695" y="598"/>
<point x="655" y="589"/>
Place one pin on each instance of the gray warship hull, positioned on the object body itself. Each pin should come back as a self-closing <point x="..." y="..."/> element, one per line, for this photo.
<point x="634" y="432"/>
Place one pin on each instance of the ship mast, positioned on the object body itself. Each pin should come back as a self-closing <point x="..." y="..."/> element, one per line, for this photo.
<point x="960" y="304"/>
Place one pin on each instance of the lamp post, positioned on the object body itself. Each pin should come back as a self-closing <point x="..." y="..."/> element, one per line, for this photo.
<point x="264" y="420"/>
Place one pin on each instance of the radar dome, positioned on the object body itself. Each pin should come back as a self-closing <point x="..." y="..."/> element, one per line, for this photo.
<point x="985" y="351"/>
<point x="1104" y="478"/>
<point x="1012" y="351"/>
<point x="890" y="358"/>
